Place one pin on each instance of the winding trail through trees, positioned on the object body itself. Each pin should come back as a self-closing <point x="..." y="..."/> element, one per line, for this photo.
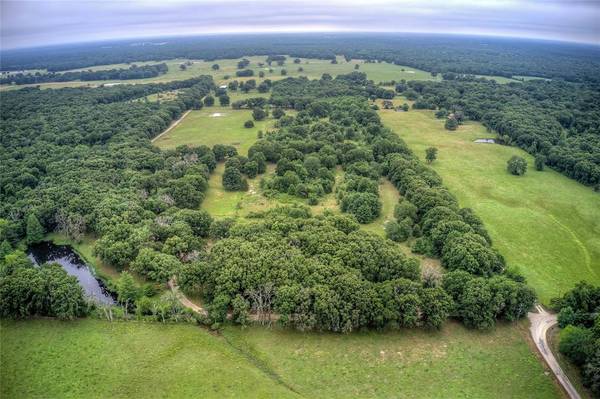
<point x="184" y="300"/>
<point x="541" y="322"/>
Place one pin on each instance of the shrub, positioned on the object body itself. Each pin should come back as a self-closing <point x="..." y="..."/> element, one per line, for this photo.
<point x="540" y="162"/>
<point x="516" y="165"/>
<point x="259" y="114"/>
<point x="576" y="343"/>
<point x="248" y="124"/>
<point x="451" y="124"/>
<point x="233" y="180"/>
<point x="209" y="101"/>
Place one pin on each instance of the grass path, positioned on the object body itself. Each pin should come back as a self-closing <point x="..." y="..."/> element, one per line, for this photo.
<point x="543" y="222"/>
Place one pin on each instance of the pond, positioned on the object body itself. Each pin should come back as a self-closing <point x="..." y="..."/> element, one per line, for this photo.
<point x="47" y="252"/>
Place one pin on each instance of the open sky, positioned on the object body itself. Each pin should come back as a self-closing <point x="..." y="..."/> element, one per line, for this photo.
<point x="30" y="23"/>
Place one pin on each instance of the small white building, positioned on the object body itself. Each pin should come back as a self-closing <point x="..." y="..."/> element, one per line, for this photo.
<point x="223" y="87"/>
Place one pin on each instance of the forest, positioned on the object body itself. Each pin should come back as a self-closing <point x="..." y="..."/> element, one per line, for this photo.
<point x="462" y="54"/>
<point x="558" y="122"/>
<point x="133" y="72"/>
<point x="89" y="168"/>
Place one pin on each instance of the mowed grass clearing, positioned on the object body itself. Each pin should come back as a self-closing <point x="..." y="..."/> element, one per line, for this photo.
<point x="543" y="222"/>
<point x="97" y="359"/>
<point x="215" y="125"/>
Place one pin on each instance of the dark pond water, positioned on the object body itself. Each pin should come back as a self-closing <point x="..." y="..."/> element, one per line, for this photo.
<point x="47" y="252"/>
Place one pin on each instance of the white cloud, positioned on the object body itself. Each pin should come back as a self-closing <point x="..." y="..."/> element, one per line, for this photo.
<point x="31" y="23"/>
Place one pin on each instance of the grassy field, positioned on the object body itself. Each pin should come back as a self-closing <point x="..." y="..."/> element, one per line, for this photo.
<point x="543" y="222"/>
<point x="205" y="127"/>
<point x="97" y="359"/>
<point x="313" y="68"/>
<point x="389" y="197"/>
<point x="452" y="363"/>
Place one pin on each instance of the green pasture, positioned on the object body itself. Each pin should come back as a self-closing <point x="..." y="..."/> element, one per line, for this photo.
<point x="544" y="223"/>
<point x="215" y="125"/>
<point x="97" y="359"/>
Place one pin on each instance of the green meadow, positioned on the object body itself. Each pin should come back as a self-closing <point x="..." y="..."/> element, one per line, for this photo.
<point x="215" y="125"/>
<point x="97" y="359"/>
<point x="544" y="223"/>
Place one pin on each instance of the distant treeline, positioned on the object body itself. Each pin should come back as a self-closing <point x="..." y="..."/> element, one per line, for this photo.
<point x="133" y="72"/>
<point x="461" y="54"/>
<point x="556" y="121"/>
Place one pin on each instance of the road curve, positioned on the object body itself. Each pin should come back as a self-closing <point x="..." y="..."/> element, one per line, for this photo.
<point x="541" y="322"/>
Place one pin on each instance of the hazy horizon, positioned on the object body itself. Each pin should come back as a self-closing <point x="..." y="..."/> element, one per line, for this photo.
<point x="36" y="24"/>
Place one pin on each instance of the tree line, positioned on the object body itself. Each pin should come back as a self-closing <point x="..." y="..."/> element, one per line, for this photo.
<point x="580" y="331"/>
<point x="133" y="72"/>
<point x="466" y="55"/>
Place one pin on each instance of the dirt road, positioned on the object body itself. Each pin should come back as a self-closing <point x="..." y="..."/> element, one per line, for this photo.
<point x="171" y="127"/>
<point x="541" y="322"/>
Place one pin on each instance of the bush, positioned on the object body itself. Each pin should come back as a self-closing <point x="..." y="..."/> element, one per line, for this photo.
<point x="224" y="100"/>
<point x="451" y="124"/>
<point x="540" y="162"/>
<point x="366" y="207"/>
<point x="399" y="231"/>
<point x="220" y="228"/>
<point x="233" y="180"/>
<point x="259" y="114"/>
<point x="576" y="343"/>
<point x="248" y="124"/>
<point x="516" y="165"/>
<point x="209" y="101"/>
<point x="423" y="246"/>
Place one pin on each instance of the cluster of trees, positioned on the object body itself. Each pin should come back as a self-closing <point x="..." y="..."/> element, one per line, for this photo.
<point x="133" y="72"/>
<point x="580" y="334"/>
<point x="556" y="121"/>
<point x="26" y="290"/>
<point x="465" y="55"/>
<point x="335" y="277"/>
<point x="236" y="166"/>
<point x="244" y="73"/>
<point x="279" y="59"/>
